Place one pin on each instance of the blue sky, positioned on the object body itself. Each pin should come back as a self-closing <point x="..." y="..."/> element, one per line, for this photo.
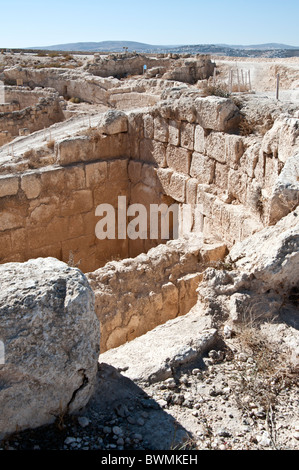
<point x="32" y="23"/>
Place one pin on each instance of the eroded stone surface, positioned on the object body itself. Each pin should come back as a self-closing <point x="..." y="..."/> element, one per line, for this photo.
<point x="51" y="339"/>
<point x="154" y="356"/>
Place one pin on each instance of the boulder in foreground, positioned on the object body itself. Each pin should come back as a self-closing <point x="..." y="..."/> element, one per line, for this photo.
<point x="50" y="335"/>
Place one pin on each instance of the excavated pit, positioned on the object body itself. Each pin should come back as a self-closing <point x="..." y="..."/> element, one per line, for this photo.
<point x="185" y="150"/>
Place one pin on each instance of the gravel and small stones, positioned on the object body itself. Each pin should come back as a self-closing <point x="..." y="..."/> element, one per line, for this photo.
<point x="83" y="421"/>
<point x="210" y="401"/>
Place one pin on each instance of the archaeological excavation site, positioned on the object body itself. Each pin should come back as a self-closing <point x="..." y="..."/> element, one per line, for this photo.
<point x="142" y="339"/>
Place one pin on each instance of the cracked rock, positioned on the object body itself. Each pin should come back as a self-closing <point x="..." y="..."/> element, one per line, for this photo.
<point x="51" y="337"/>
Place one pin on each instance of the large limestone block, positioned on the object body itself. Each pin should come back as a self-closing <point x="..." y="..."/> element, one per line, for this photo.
<point x="283" y="138"/>
<point x="202" y="168"/>
<point x="51" y="338"/>
<point x="153" y="151"/>
<point x="187" y="135"/>
<point x="271" y="255"/>
<point x="148" y="126"/>
<point x="215" y="146"/>
<point x="9" y="186"/>
<point x="174" y="132"/>
<point x="31" y="185"/>
<point x="219" y="114"/>
<point x="161" y="131"/>
<point x="285" y="195"/>
<point x="113" y="122"/>
<point x="199" y="139"/>
<point x="96" y="146"/>
<point x="74" y="150"/>
<point x="178" y="159"/>
<point x="177" y="187"/>
<point x="155" y="355"/>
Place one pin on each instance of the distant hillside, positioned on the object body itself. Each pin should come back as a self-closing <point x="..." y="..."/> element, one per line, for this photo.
<point x="269" y="46"/>
<point x="258" y="50"/>
<point x="106" y="46"/>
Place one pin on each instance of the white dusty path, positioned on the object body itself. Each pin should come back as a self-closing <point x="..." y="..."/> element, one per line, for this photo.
<point x="55" y="132"/>
<point x="263" y="74"/>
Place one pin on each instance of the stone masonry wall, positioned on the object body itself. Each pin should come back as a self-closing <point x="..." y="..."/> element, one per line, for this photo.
<point x="135" y="295"/>
<point x="51" y="212"/>
<point x="186" y="151"/>
<point x="197" y="159"/>
<point x="32" y="118"/>
<point x="237" y="184"/>
<point x="188" y="70"/>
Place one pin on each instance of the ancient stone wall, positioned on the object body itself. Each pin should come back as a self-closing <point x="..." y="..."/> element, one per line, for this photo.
<point x="51" y="211"/>
<point x="197" y="160"/>
<point x="24" y="96"/>
<point x="135" y="295"/>
<point x="29" y="114"/>
<point x="184" y="70"/>
<point x="235" y="182"/>
<point x="186" y="152"/>
<point x="67" y="83"/>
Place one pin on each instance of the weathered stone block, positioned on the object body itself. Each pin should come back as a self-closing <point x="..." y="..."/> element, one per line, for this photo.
<point x="11" y="220"/>
<point x="177" y="187"/>
<point x="5" y="245"/>
<point x="78" y="201"/>
<point x="249" y="160"/>
<point x="9" y="185"/>
<point x="178" y="159"/>
<point x="216" y="146"/>
<point x="18" y="239"/>
<point x="170" y="295"/>
<point x="148" y="126"/>
<point x="149" y="176"/>
<point x="237" y="185"/>
<point x="187" y="286"/>
<point x="202" y="168"/>
<point x="191" y="191"/>
<point x="199" y="139"/>
<point x="187" y="135"/>
<point x="31" y="185"/>
<point x="57" y="319"/>
<point x="234" y="148"/>
<point x="152" y="151"/>
<point x="43" y="213"/>
<point x="96" y="174"/>
<point x="118" y="171"/>
<point x="52" y="180"/>
<point x="221" y="176"/>
<point x="83" y="249"/>
<point x="75" y="177"/>
<point x="134" y="171"/>
<point x="174" y="133"/>
<point x="216" y="113"/>
<point x="164" y="176"/>
<point x="161" y="132"/>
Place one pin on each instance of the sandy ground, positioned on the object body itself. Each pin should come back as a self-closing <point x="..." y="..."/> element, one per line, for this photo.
<point x="263" y="74"/>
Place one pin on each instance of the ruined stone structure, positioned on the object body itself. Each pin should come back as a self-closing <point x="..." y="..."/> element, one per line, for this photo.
<point x="183" y="70"/>
<point x="163" y="142"/>
<point x="27" y="111"/>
